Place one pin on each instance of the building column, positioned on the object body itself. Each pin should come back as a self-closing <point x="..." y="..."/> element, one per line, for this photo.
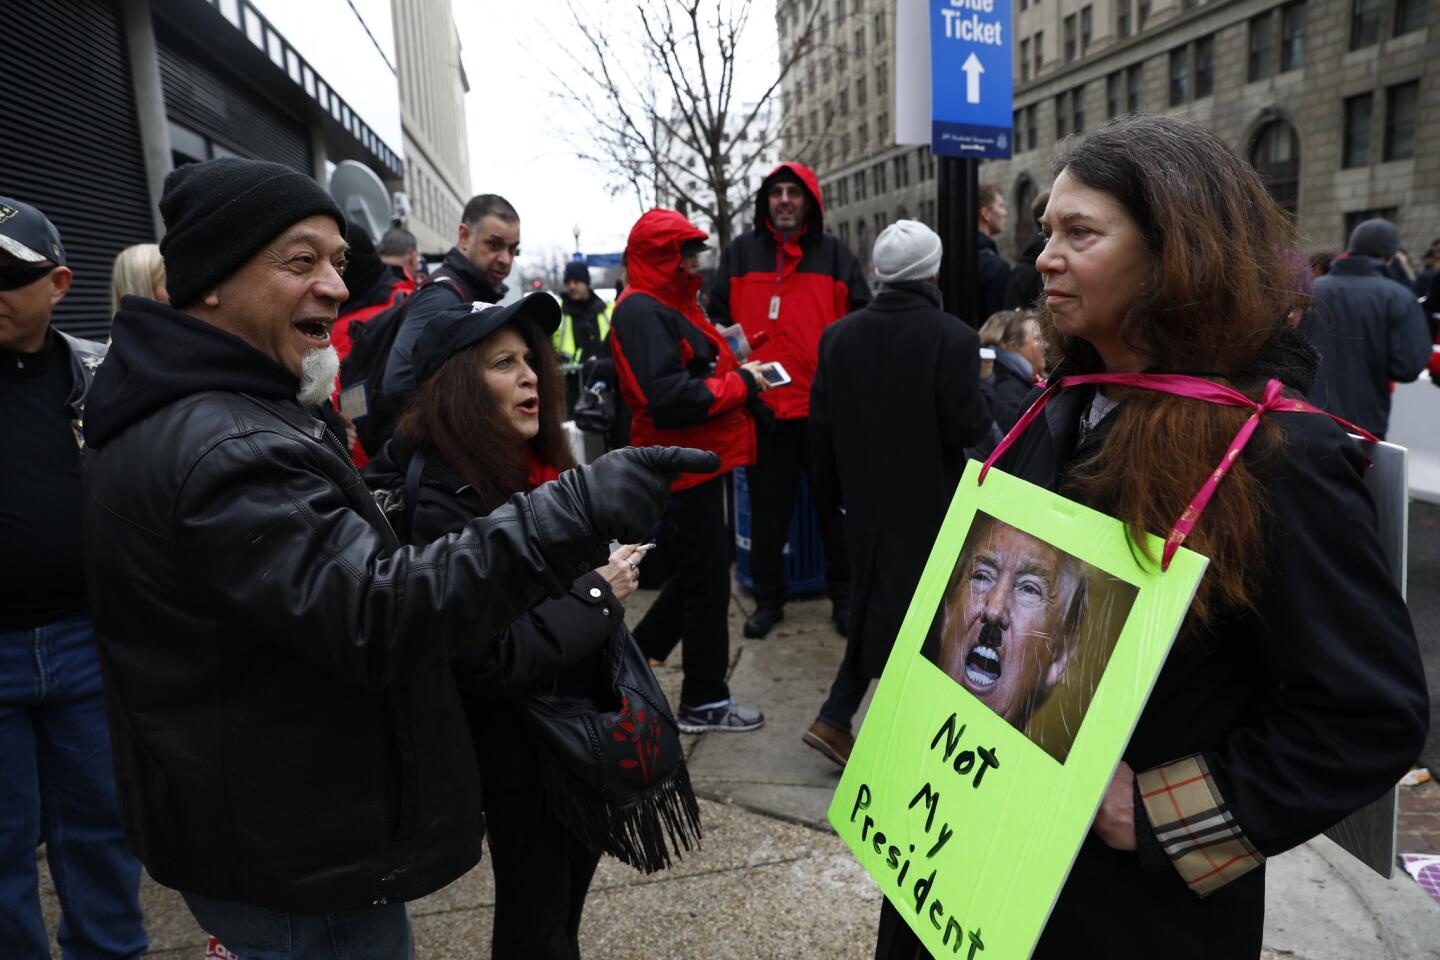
<point x="319" y="155"/>
<point x="149" y="102"/>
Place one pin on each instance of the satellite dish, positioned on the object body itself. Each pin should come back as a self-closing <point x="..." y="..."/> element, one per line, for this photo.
<point x="361" y="196"/>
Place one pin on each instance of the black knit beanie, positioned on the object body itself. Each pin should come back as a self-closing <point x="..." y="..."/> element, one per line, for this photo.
<point x="220" y="213"/>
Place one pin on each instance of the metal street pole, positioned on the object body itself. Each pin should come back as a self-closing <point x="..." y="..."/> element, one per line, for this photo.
<point x="959" y="203"/>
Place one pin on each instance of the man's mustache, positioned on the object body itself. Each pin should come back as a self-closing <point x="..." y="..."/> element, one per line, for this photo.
<point x="991" y="635"/>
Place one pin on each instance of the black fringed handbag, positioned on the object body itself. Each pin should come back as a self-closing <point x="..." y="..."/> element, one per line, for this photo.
<point x="611" y="760"/>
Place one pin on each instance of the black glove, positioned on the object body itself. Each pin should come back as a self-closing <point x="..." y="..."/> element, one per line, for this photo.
<point x="623" y="492"/>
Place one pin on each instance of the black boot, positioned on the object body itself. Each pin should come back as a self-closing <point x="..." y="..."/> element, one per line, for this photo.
<point x="762" y="621"/>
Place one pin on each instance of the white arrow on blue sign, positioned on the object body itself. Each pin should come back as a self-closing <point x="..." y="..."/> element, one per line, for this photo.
<point x="971" y="78"/>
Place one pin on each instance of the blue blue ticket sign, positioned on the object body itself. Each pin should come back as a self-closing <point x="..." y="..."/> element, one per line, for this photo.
<point x="971" y="78"/>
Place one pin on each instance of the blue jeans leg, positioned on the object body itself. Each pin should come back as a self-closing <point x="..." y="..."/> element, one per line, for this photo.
<point x="97" y="878"/>
<point x="22" y="931"/>
<point x="255" y="933"/>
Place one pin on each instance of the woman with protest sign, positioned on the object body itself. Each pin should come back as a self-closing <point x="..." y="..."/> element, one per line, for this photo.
<point x="1294" y="694"/>
<point x="484" y="425"/>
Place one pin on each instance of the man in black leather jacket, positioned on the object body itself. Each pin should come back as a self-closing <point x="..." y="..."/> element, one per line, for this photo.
<point x="290" y="748"/>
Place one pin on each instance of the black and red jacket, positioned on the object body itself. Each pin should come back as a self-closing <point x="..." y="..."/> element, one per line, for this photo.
<point x="680" y="379"/>
<point x="816" y="277"/>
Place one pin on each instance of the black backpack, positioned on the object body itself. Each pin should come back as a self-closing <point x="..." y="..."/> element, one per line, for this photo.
<point x="363" y="370"/>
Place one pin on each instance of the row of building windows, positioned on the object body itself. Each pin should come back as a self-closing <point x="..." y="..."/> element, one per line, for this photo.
<point x="1276" y="37"/>
<point x="1402" y="104"/>
<point x="864" y="229"/>
<point x="876" y="179"/>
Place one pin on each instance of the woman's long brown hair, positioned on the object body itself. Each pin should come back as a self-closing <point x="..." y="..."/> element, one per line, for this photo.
<point x="1221" y="282"/>
<point x="455" y="416"/>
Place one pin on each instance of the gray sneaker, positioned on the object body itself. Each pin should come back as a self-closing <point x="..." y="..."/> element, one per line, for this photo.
<point x="727" y="718"/>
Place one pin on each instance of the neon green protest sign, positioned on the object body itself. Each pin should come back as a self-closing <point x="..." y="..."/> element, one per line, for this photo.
<point x="1029" y="649"/>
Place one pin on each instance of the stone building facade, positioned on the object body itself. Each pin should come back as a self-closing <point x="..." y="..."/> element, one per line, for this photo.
<point x="432" y="114"/>
<point x="1331" y="100"/>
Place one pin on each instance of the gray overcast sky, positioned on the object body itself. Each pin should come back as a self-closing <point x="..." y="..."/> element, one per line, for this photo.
<point x="518" y="130"/>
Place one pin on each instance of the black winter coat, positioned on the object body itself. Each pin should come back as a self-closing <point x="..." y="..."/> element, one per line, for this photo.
<point x="1305" y="708"/>
<point x="1026" y="285"/>
<point x="1369" y="330"/>
<point x="993" y="275"/>
<point x="286" y="728"/>
<point x="894" y="405"/>
<point x="1011" y="384"/>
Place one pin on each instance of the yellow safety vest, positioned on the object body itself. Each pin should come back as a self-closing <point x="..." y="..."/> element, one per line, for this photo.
<point x="563" y="339"/>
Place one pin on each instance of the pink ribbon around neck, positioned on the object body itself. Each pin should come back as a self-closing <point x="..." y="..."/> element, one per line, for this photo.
<point x="1195" y="388"/>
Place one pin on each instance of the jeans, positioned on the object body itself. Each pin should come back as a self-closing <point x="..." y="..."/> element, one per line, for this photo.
<point x="255" y="933"/>
<point x="695" y="601"/>
<point x="57" y="785"/>
<point x="782" y="454"/>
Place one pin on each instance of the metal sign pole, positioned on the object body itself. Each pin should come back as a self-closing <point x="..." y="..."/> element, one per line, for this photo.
<point x="959" y="185"/>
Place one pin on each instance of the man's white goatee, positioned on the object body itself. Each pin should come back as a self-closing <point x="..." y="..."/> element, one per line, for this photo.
<point x="317" y="375"/>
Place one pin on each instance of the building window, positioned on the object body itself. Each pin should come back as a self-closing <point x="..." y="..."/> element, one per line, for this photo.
<point x="1142" y="13"/>
<point x="1179" y="76"/>
<point x="1039" y="50"/>
<point x="1354" y="218"/>
<point x="1070" y="38"/>
<point x="1062" y="113"/>
<point x="1204" y="66"/>
<point x="1032" y="130"/>
<point x="1401" y="104"/>
<point x="1262" y="60"/>
<point x="1409" y="15"/>
<point x="1025" y="59"/>
<point x="882" y="79"/>
<point x="883" y="128"/>
<point x="1356" y="149"/>
<point x="862" y="139"/>
<point x="845" y="103"/>
<point x="902" y="171"/>
<point x="1112" y="95"/>
<point x="1275" y="155"/>
<point x="1086" y="28"/>
<point x="1122" y="19"/>
<point x="860" y="93"/>
<point x="1077" y="110"/>
<point x="844" y="145"/>
<point x="845" y="233"/>
<point x="858" y="180"/>
<point x="1292" y="36"/>
<point x="860" y="42"/>
<point x="879" y="28"/>
<point x="825" y="69"/>
<point x="1365" y="22"/>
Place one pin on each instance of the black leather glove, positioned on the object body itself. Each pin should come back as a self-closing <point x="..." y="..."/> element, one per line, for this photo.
<point x="623" y="492"/>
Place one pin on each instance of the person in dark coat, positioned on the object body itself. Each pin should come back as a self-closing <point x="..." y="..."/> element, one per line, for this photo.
<point x="1025" y="286"/>
<point x="992" y="272"/>
<point x="486" y="423"/>
<point x="1294" y="693"/>
<point x="277" y="665"/>
<point x="1369" y="330"/>
<point x="1019" y="348"/>
<point x="929" y="362"/>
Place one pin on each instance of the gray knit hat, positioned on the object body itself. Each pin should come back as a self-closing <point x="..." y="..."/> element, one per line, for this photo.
<point x="1374" y="238"/>
<point x="907" y="250"/>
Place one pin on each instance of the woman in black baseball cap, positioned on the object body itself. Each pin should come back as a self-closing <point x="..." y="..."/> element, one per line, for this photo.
<point x="484" y="425"/>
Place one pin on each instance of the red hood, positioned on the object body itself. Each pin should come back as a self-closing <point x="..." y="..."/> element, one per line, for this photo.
<point x="814" y="219"/>
<point x="652" y="260"/>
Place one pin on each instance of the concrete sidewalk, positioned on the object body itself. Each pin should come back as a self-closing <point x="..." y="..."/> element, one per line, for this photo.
<point x="773" y="882"/>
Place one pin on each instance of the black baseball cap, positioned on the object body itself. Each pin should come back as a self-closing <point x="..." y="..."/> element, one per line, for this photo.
<point x="458" y="327"/>
<point x="27" y="234"/>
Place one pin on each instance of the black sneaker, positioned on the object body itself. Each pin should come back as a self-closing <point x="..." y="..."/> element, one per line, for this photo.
<point x="727" y="718"/>
<point x="762" y="621"/>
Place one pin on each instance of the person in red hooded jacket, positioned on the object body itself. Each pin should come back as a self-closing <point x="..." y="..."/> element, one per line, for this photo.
<point x="684" y="385"/>
<point x="784" y="282"/>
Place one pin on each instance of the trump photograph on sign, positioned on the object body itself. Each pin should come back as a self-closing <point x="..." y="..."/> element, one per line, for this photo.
<point x="1028" y="629"/>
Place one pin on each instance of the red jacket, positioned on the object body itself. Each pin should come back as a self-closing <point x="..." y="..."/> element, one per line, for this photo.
<point x="680" y="379"/>
<point x="340" y="340"/>
<point x="817" y="279"/>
